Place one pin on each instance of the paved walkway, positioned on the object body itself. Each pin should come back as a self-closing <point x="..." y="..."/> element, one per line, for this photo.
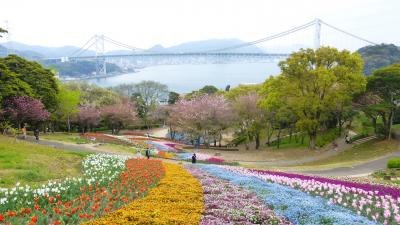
<point x="327" y="152"/>
<point x="363" y="169"/>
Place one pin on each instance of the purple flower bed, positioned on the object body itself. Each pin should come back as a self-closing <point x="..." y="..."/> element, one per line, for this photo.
<point x="226" y="203"/>
<point x="381" y="189"/>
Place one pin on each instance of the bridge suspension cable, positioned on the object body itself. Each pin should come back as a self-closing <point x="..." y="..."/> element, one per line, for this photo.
<point x="284" y="33"/>
<point x="350" y="34"/>
<point x="83" y="47"/>
<point x="122" y="44"/>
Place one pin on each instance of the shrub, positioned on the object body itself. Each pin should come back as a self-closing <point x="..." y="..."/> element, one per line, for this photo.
<point x="393" y="163"/>
<point x="326" y="137"/>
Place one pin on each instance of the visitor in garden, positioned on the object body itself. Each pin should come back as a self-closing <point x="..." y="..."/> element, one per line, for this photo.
<point x="347" y="139"/>
<point x="36" y="134"/>
<point x="194" y="158"/>
<point x="148" y="153"/>
<point x="24" y="132"/>
<point x="334" y="146"/>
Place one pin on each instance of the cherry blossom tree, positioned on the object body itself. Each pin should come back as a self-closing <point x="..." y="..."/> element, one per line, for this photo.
<point x="87" y="118"/>
<point x="25" y="109"/>
<point x="205" y="117"/>
<point x="119" y="115"/>
<point x="250" y="117"/>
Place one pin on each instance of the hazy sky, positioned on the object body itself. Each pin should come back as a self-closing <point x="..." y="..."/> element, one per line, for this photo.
<point x="168" y="22"/>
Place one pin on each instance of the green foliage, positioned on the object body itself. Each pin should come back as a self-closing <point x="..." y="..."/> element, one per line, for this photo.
<point x="384" y="85"/>
<point x="327" y="137"/>
<point x="378" y="56"/>
<point x="23" y="77"/>
<point x="68" y="101"/>
<point x="241" y="90"/>
<point x="208" y="89"/>
<point x="2" y="31"/>
<point x="93" y="95"/>
<point x="393" y="163"/>
<point x="11" y="84"/>
<point x="173" y="97"/>
<point x="314" y="84"/>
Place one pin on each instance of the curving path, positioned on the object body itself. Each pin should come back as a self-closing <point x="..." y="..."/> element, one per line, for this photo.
<point x="357" y="170"/>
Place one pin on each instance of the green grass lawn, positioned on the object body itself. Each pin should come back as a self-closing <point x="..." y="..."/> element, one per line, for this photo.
<point x="117" y="148"/>
<point x="360" y="153"/>
<point x="65" y="137"/>
<point x="32" y="164"/>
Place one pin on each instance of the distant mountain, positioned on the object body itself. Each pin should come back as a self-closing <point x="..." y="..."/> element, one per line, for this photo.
<point x="26" y="54"/>
<point x="378" y="56"/>
<point x="208" y="45"/>
<point x="48" y="52"/>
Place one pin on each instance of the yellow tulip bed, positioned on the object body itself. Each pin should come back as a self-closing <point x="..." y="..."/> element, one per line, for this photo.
<point x="177" y="199"/>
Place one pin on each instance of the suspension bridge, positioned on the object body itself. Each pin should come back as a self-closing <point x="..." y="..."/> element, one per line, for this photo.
<point x="226" y="54"/>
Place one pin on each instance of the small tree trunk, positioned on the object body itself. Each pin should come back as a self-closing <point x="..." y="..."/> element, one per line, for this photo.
<point x="279" y="136"/>
<point x="257" y="140"/>
<point x="390" y="124"/>
<point x="313" y="139"/>
<point x="68" y="124"/>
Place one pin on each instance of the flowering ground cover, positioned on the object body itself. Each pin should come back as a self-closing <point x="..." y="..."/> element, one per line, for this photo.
<point x="226" y="203"/>
<point x="177" y="199"/>
<point x="298" y="206"/>
<point x="376" y="202"/>
<point x="109" y="182"/>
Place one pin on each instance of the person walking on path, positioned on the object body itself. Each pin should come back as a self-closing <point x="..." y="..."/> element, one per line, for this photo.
<point x="24" y="132"/>
<point x="347" y="139"/>
<point x="148" y="153"/>
<point x="36" y="134"/>
<point x="334" y="146"/>
<point x="194" y="158"/>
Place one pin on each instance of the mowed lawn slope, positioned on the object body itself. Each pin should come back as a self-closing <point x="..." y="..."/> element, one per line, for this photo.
<point x="32" y="164"/>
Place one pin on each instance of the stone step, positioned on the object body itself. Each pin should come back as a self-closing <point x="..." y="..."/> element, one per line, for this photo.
<point x="363" y="140"/>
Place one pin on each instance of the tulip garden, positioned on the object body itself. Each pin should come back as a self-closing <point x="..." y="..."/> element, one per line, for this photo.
<point x="117" y="189"/>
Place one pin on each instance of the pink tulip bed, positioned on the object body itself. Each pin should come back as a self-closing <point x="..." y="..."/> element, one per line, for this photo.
<point x="377" y="203"/>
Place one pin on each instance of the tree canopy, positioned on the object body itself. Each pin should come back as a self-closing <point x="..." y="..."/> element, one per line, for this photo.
<point x="20" y="74"/>
<point x="313" y="82"/>
<point x="384" y="84"/>
<point x="2" y="31"/>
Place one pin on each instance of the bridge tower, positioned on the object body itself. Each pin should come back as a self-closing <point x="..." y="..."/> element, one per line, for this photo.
<point x="317" y="34"/>
<point x="101" y="68"/>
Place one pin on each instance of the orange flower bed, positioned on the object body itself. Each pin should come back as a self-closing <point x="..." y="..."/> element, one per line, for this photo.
<point x="83" y="203"/>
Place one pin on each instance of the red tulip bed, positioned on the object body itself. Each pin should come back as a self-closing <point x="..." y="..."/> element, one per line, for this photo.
<point x="109" y="183"/>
